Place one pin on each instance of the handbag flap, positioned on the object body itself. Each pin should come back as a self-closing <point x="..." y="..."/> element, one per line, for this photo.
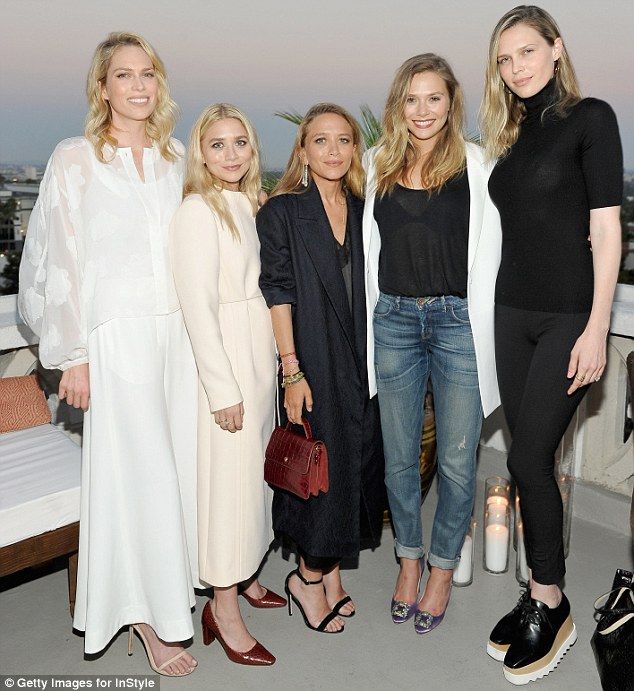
<point x="291" y="450"/>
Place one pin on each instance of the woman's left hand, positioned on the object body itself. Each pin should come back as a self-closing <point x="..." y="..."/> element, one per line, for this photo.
<point x="587" y="359"/>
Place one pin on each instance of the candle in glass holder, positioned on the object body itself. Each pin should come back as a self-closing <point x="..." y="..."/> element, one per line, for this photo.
<point x="496" y="510"/>
<point x="497" y="524"/>
<point x="497" y="488"/>
<point x="463" y="573"/>
<point x="497" y="495"/>
<point x="496" y="548"/>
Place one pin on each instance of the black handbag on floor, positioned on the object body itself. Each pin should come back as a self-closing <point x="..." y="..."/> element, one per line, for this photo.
<point x="613" y="638"/>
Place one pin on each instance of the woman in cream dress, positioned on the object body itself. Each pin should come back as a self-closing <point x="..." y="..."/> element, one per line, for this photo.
<point x="96" y="286"/>
<point x="215" y="255"/>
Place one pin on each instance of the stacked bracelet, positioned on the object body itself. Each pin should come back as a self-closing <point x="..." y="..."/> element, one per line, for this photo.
<point x="288" y="361"/>
<point x="289" y="379"/>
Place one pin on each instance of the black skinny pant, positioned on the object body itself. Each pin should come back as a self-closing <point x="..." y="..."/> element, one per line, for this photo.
<point x="532" y="352"/>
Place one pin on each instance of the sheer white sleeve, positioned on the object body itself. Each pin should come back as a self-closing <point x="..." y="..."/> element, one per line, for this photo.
<point x="50" y="275"/>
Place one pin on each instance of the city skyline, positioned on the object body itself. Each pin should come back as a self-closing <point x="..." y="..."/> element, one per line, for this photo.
<point x="281" y="55"/>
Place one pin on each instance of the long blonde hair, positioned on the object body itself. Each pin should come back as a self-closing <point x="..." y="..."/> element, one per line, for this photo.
<point x="396" y="153"/>
<point x="502" y="112"/>
<point x="159" y="125"/>
<point x="200" y="180"/>
<point x="354" y="179"/>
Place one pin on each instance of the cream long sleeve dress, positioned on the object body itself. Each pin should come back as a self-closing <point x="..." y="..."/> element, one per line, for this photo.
<point x="230" y="329"/>
<point x="96" y="286"/>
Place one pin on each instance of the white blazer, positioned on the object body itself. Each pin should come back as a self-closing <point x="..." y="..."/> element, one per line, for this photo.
<point x="485" y="244"/>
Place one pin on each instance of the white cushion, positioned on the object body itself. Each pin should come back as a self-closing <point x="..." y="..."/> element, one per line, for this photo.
<point x="39" y="482"/>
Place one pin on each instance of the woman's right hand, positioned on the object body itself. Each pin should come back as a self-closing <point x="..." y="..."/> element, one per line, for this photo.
<point x="75" y="386"/>
<point x="296" y="396"/>
<point x="230" y="419"/>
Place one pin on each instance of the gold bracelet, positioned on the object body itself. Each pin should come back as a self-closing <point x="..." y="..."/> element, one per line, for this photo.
<point x="289" y="379"/>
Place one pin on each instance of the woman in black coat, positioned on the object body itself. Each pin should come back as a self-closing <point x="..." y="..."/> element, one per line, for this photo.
<point x="312" y="279"/>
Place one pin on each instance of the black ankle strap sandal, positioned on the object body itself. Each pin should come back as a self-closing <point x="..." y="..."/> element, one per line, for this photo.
<point x="321" y="627"/>
<point x="304" y="581"/>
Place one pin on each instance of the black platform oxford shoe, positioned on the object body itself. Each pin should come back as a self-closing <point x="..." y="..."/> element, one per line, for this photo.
<point x="542" y="639"/>
<point x="503" y="632"/>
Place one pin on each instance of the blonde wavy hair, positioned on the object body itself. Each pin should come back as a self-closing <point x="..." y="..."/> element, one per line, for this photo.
<point x="200" y="180"/>
<point x="159" y="125"/>
<point x="396" y="154"/>
<point x="354" y="179"/>
<point x="502" y="112"/>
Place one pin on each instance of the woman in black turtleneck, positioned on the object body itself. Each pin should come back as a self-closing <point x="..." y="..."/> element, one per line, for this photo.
<point x="558" y="181"/>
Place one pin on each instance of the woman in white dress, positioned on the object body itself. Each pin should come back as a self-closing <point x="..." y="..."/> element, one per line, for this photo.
<point x="96" y="286"/>
<point x="216" y="263"/>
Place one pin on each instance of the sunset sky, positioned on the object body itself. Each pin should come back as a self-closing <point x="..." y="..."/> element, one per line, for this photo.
<point x="278" y="54"/>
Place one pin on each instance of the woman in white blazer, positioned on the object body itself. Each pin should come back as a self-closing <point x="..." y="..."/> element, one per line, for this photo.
<point x="216" y="263"/>
<point x="432" y="240"/>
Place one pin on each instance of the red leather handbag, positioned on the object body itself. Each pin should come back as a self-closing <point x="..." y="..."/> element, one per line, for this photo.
<point x="296" y="463"/>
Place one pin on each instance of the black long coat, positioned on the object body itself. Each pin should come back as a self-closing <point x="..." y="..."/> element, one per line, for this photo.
<point x="300" y="268"/>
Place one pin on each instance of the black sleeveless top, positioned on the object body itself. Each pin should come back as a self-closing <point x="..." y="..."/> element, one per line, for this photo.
<point x="424" y="239"/>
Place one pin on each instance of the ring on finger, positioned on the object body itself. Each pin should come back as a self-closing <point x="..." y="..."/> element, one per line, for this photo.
<point x="581" y="378"/>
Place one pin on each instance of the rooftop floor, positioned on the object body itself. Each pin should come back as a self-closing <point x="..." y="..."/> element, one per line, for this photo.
<point x="37" y="638"/>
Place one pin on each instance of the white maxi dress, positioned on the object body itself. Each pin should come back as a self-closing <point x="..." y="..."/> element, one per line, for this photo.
<point x="230" y="328"/>
<point x="96" y="286"/>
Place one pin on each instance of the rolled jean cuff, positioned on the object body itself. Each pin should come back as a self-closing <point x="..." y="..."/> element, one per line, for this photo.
<point x="441" y="563"/>
<point x="409" y="552"/>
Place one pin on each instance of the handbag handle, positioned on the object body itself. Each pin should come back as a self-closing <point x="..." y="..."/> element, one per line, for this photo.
<point x="600" y="602"/>
<point x="306" y="425"/>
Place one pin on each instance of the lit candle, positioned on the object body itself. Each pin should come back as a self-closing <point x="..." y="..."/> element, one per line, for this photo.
<point x="496" y="500"/>
<point x="496" y="514"/>
<point x="496" y="539"/>
<point x="463" y="572"/>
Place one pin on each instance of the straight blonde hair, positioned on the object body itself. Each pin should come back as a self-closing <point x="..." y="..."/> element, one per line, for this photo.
<point x="396" y="153"/>
<point x="200" y="180"/>
<point x="354" y="179"/>
<point x="159" y="126"/>
<point x="502" y="112"/>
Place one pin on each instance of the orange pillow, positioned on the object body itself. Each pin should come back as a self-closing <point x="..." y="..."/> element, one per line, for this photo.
<point x="22" y="404"/>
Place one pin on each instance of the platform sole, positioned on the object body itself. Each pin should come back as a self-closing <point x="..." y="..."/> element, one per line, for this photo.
<point x="497" y="650"/>
<point x="565" y="639"/>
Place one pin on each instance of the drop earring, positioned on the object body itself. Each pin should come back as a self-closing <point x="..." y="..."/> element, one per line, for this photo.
<point x="305" y="175"/>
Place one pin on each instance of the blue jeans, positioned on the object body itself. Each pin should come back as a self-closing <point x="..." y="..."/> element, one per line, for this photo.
<point x="418" y="338"/>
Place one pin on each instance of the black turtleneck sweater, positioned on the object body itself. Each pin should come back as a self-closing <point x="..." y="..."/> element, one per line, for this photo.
<point x="557" y="170"/>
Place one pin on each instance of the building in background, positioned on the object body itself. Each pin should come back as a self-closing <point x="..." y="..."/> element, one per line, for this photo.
<point x="30" y="173"/>
<point x="17" y="200"/>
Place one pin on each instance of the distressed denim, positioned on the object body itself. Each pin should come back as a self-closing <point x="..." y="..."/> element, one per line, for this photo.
<point x="415" y="339"/>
